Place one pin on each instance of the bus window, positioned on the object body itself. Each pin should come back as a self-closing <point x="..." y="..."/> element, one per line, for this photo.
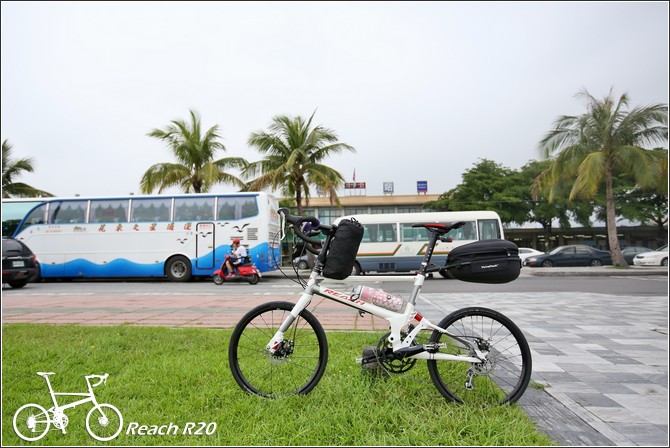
<point x="409" y="233"/>
<point x="152" y="210"/>
<point x="379" y="233"/>
<point x="37" y="216"/>
<point x="194" y="209"/>
<point x="109" y="211"/>
<point x="249" y="207"/>
<point x="467" y="232"/>
<point x="488" y="229"/>
<point x="68" y="212"/>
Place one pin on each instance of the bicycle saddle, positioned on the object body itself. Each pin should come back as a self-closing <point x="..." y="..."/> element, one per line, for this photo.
<point x="440" y="227"/>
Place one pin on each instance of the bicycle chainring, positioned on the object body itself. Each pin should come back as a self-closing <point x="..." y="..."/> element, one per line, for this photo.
<point x="59" y="420"/>
<point x="391" y="362"/>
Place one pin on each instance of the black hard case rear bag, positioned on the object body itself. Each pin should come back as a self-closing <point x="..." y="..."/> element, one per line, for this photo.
<point x="487" y="261"/>
<point x="341" y="255"/>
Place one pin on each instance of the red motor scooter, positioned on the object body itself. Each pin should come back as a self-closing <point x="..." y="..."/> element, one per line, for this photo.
<point x="246" y="271"/>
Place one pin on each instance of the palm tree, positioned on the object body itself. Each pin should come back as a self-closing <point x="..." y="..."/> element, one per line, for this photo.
<point x="589" y="150"/>
<point x="11" y="169"/>
<point x="294" y="151"/>
<point x="195" y="169"/>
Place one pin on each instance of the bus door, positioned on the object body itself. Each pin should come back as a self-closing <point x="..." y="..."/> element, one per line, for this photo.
<point x="204" y="246"/>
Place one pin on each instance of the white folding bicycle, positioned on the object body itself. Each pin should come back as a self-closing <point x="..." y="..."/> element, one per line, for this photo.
<point x="474" y="355"/>
<point x="103" y="422"/>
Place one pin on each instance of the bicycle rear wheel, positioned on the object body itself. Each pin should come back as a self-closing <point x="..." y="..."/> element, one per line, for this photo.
<point x="31" y="422"/>
<point x="505" y="374"/>
<point x="294" y="369"/>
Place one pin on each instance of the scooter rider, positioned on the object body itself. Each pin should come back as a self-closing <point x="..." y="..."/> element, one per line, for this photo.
<point x="239" y="257"/>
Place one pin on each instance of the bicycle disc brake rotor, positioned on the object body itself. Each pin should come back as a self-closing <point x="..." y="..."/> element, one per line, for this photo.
<point x="281" y="355"/>
<point x="489" y="364"/>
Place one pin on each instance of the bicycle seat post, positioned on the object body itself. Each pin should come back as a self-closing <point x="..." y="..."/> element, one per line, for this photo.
<point x="421" y="276"/>
<point x="46" y="375"/>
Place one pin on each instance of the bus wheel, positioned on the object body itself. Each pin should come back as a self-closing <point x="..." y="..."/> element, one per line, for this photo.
<point x="446" y="274"/>
<point x="178" y="269"/>
<point x="356" y="269"/>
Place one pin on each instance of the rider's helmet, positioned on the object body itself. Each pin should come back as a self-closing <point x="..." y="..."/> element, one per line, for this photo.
<point x="236" y="241"/>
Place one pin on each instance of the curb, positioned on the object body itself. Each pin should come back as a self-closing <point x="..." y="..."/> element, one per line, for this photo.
<point x="592" y="272"/>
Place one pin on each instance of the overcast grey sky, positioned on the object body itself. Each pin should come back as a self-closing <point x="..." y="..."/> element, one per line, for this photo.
<point x="422" y="90"/>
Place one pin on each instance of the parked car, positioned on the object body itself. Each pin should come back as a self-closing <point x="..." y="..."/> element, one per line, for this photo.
<point x="19" y="264"/>
<point x="525" y="252"/>
<point x="658" y="257"/>
<point x="573" y="255"/>
<point x="631" y="251"/>
<point x="304" y="262"/>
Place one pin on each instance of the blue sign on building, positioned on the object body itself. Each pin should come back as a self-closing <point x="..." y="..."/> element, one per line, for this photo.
<point x="421" y="186"/>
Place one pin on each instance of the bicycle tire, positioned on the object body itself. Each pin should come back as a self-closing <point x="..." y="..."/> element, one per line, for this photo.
<point x="257" y="371"/>
<point x="107" y="425"/>
<point x="502" y="379"/>
<point x="22" y="423"/>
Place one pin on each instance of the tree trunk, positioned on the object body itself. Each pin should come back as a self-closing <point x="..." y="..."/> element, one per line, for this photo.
<point x="613" y="239"/>
<point x="298" y="199"/>
<point x="547" y="237"/>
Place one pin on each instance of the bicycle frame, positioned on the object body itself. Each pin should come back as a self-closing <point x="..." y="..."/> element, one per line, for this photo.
<point x="397" y="320"/>
<point x="90" y="395"/>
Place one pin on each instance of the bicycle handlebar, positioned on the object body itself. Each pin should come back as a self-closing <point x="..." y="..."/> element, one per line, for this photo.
<point x="101" y="378"/>
<point x="305" y="226"/>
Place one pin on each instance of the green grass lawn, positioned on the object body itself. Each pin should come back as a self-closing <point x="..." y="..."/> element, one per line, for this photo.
<point x="161" y="376"/>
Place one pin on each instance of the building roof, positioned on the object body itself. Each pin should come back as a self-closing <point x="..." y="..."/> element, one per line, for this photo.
<point x="360" y="200"/>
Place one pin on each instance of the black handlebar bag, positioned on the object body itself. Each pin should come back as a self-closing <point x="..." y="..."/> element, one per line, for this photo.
<point x="343" y="248"/>
<point x="486" y="261"/>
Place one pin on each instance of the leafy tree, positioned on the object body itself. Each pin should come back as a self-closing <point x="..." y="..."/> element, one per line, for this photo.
<point x="589" y="150"/>
<point x="638" y="204"/>
<point x="195" y="169"/>
<point x="487" y="186"/>
<point x="294" y="150"/>
<point x="12" y="169"/>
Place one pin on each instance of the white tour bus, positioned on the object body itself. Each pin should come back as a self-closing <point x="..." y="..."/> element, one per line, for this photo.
<point x="174" y="236"/>
<point x="391" y="244"/>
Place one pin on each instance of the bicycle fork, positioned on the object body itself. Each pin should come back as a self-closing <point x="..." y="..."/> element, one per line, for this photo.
<point x="276" y="347"/>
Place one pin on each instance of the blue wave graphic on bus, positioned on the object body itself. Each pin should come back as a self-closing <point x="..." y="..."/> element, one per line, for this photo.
<point x="265" y="258"/>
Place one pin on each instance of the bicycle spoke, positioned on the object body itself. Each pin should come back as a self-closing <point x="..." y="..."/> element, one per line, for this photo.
<point x="294" y="368"/>
<point x="504" y="375"/>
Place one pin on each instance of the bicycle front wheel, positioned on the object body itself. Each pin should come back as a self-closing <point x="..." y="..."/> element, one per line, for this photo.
<point x="31" y="422"/>
<point x="504" y="375"/>
<point x="104" y="422"/>
<point x="293" y="369"/>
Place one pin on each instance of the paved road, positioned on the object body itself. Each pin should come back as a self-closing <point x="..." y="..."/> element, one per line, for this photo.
<point x="601" y="359"/>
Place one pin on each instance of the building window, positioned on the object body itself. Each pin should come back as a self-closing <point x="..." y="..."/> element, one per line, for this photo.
<point x="409" y="209"/>
<point x="328" y="216"/>
<point x="381" y="210"/>
<point x="349" y="211"/>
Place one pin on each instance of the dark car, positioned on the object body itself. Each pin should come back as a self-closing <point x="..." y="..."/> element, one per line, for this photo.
<point x="630" y="252"/>
<point x="19" y="264"/>
<point x="574" y="255"/>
